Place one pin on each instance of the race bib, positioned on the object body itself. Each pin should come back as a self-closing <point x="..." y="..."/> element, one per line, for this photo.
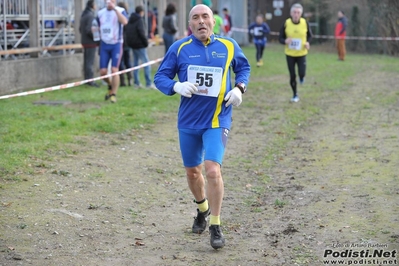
<point x="106" y="33"/>
<point x="258" y="31"/>
<point x="296" y="44"/>
<point x="209" y="79"/>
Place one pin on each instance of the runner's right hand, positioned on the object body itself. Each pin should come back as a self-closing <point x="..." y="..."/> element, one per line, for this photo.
<point x="185" y="89"/>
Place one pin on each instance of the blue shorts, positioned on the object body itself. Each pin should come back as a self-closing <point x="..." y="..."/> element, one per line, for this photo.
<point x="197" y="145"/>
<point x="110" y="52"/>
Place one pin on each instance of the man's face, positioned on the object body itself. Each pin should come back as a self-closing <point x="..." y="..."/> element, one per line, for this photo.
<point x="201" y="22"/>
<point x="296" y="14"/>
<point x="110" y="4"/>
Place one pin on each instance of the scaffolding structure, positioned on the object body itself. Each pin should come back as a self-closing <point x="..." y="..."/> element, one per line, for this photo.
<point x="56" y="19"/>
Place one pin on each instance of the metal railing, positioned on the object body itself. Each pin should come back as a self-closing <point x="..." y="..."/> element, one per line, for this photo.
<point x="19" y="8"/>
<point x="17" y="39"/>
<point x="56" y="17"/>
<point x="52" y="13"/>
<point x="14" y="7"/>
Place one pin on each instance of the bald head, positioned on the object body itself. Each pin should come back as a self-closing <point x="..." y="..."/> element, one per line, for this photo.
<point x="200" y="6"/>
<point x="201" y="22"/>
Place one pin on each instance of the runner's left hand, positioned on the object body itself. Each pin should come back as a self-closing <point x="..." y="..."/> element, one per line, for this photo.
<point x="234" y="97"/>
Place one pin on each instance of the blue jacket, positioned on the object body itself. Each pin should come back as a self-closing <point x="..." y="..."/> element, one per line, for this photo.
<point x="259" y="31"/>
<point x="209" y="66"/>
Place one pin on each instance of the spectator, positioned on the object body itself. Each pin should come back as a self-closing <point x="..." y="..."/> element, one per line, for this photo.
<point x="125" y="63"/>
<point x="138" y="41"/>
<point x="9" y="25"/>
<point x="88" y="43"/>
<point x="340" y="34"/>
<point x="152" y="22"/>
<point x="155" y="12"/>
<point x="227" y="22"/>
<point x="169" y="26"/>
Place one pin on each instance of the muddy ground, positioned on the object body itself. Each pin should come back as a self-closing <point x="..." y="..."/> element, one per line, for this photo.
<point x="123" y="200"/>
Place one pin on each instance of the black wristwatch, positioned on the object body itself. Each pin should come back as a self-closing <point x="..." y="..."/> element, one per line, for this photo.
<point x="242" y="87"/>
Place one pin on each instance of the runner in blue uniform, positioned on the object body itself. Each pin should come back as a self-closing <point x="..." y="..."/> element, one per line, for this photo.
<point x="202" y="63"/>
<point x="259" y="31"/>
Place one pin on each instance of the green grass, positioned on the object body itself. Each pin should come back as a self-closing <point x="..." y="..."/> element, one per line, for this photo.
<point x="325" y="76"/>
<point x="279" y="203"/>
<point x="31" y="133"/>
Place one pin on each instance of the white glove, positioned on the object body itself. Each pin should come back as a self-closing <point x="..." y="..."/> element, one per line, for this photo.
<point x="233" y="97"/>
<point x="185" y="89"/>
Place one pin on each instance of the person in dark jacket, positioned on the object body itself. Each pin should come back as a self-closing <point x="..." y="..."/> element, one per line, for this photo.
<point x="89" y="45"/>
<point x="169" y="26"/>
<point x="138" y="41"/>
<point x="125" y="62"/>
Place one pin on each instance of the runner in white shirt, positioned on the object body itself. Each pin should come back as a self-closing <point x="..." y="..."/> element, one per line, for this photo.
<point x="111" y="19"/>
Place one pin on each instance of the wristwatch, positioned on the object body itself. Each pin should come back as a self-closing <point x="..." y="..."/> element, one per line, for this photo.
<point x="242" y="87"/>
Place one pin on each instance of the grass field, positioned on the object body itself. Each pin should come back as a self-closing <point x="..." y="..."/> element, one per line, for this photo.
<point x="95" y="183"/>
<point x="34" y="131"/>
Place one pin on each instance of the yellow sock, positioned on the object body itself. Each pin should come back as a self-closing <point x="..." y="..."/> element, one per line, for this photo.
<point x="203" y="207"/>
<point x="214" y="220"/>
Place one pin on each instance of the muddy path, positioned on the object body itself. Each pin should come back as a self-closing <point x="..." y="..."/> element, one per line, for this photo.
<point x="123" y="200"/>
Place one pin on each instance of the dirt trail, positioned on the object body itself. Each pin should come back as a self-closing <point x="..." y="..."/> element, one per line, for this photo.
<point x="125" y="201"/>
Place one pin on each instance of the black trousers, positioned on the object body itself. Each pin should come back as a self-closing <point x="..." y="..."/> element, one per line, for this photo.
<point x="300" y="61"/>
<point x="89" y="54"/>
<point x="259" y="51"/>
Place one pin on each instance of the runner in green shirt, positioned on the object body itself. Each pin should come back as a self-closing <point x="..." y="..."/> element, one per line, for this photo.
<point x="218" y="23"/>
<point x="208" y="3"/>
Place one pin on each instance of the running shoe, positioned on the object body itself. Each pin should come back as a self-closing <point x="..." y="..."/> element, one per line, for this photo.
<point x="93" y="84"/>
<point x="199" y="224"/>
<point x="108" y="95"/>
<point x="295" y="99"/>
<point x="217" y="238"/>
<point x="112" y="98"/>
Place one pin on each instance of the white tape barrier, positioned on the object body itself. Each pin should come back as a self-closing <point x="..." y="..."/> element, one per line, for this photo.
<point x="332" y="37"/>
<point x="74" y="84"/>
